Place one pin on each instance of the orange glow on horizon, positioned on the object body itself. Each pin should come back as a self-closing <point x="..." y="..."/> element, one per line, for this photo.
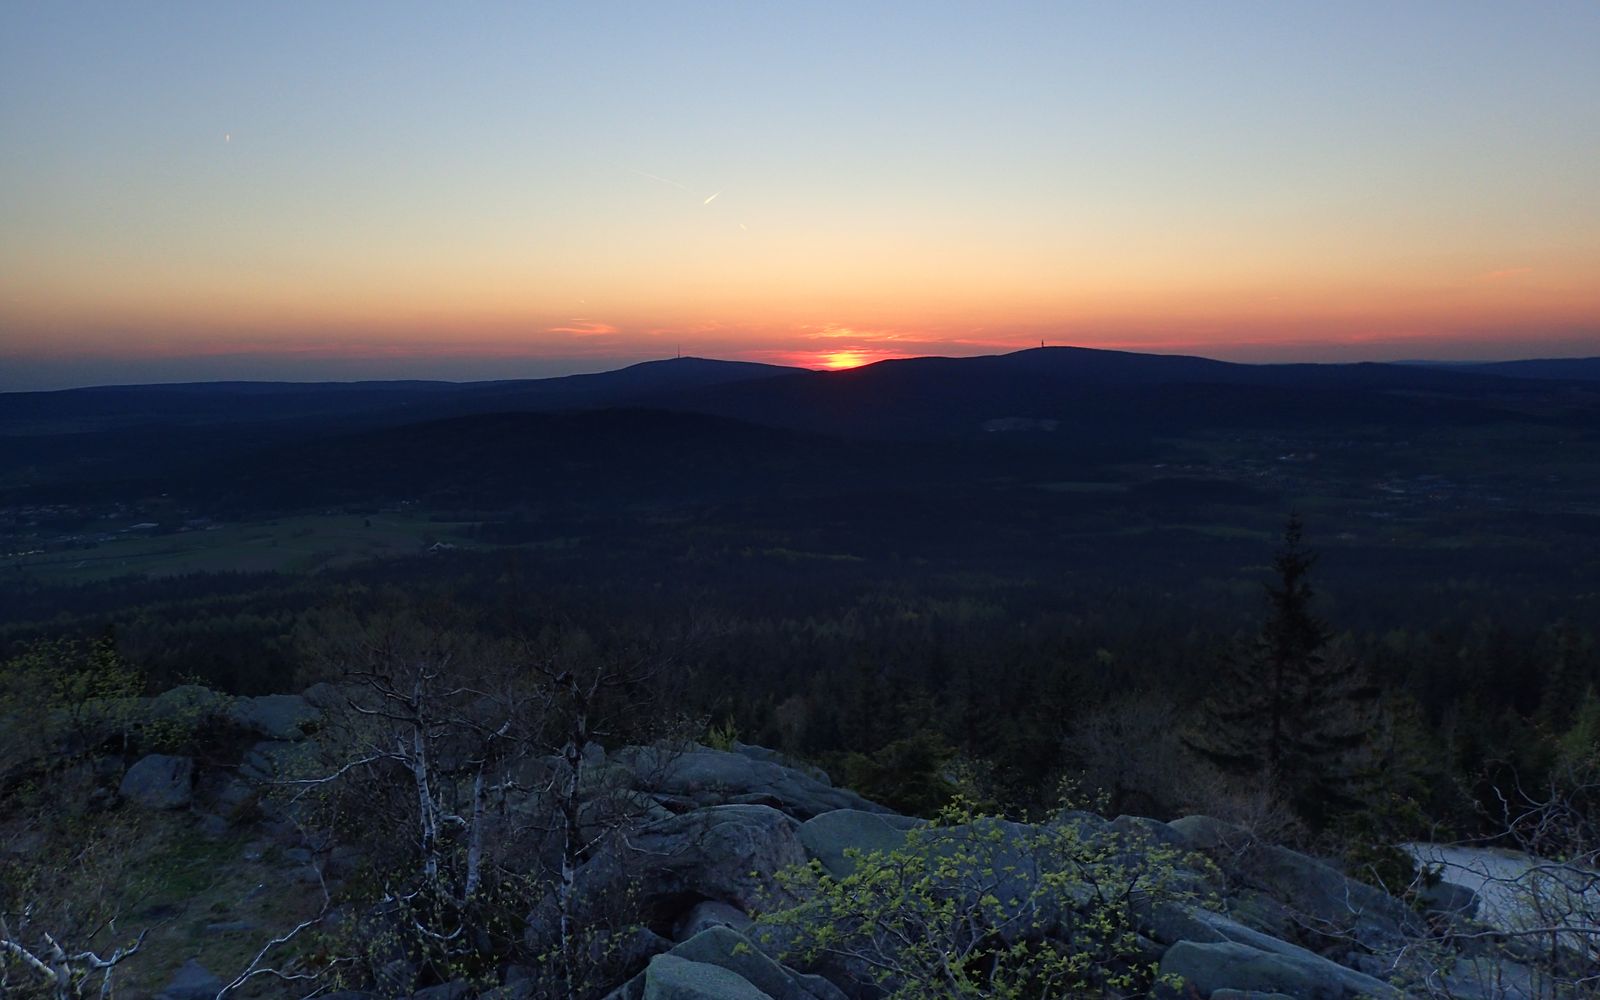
<point x="846" y="358"/>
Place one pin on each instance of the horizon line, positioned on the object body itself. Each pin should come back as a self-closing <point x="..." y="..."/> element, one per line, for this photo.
<point x="825" y="369"/>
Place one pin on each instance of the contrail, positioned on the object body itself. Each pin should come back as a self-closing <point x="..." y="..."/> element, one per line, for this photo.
<point x="710" y="199"/>
<point x="661" y="180"/>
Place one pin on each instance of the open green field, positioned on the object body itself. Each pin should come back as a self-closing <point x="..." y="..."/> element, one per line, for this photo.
<point x="303" y="544"/>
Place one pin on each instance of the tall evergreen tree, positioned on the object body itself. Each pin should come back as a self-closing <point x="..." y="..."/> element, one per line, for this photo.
<point x="1293" y="708"/>
<point x="1290" y="646"/>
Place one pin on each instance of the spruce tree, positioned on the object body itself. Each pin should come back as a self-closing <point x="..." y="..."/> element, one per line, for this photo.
<point x="1290" y="646"/>
<point x="1292" y="708"/>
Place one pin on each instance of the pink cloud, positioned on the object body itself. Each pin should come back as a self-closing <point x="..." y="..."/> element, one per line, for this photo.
<point x="585" y="328"/>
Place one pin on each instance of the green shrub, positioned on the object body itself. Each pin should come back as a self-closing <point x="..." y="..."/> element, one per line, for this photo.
<point x="722" y="736"/>
<point x="975" y="906"/>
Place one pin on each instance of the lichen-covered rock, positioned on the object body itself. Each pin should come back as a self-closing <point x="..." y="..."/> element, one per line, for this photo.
<point x="159" y="781"/>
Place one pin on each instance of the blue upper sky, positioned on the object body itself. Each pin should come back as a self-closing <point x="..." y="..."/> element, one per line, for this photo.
<point x="207" y="190"/>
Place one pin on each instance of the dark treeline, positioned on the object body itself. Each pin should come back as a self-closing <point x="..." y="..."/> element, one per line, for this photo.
<point x="915" y="679"/>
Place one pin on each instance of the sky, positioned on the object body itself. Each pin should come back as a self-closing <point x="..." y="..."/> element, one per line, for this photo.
<point x="348" y="190"/>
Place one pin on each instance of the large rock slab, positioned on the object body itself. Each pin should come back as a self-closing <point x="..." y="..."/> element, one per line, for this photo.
<point x="159" y="781"/>
<point x="1168" y="924"/>
<point x="185" y="706"/>
<point x="1512" y="891"/>
<point x="1324" y="901"/>
<point x="702" y="777"/>
<point x="1209" y="834"/>
<point x="727" y="948"/>
<point x="669" y="977"/>
<point x="827" y="837"/>
<point x="726" y="853"/>
<point x="774" y="757"/>
<point x="1225" y="965"/>
<point x="729" y="854"/>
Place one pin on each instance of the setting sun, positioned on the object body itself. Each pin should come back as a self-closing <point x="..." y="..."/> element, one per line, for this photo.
<point x="844" y="357"/>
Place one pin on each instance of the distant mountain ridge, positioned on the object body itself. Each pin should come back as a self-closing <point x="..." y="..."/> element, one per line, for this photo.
<point x="1087" y="403"/>
<point x="1567" y="369"/>
<point x="73" y="410"/>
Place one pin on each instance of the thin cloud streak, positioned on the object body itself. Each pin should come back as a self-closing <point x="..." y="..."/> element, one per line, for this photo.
<point x="585" y="328"/>
<point x="660" y="180"/>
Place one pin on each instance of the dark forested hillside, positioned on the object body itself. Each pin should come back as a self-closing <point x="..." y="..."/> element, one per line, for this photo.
<point x="955" y="583"/>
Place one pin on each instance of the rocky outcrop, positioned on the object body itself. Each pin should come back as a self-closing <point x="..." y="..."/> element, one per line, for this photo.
<point x="1229" y="966"/>
<point x="827" y="837"/>
<point x="1328" y="907"/>
<point x="159" y="782"/>
<point x="691" y="843"/>
<point x="726" y="949"/>
<point x="730" y="854"/>
<point x="184" y="706"/>
<point x="703" y="777"/>
<point x="669" y="977"/>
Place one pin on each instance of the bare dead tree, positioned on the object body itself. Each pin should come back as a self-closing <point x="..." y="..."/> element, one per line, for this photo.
<point x="435" y="726"/>
<point x="591" y="697"/>
<point x="481" y="763"/>
<point x="294" y="970"/>
<point x="59" y="934"/>
<point x="66" y="974"/>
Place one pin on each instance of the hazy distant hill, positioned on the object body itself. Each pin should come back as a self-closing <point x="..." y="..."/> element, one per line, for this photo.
<point x="1113" y="392"/>
<point x="1573" y="369"/>
<point x="118" y="432"/>
<point x="623" y="387"/>
<point x="888" y="398"/>
<point x="78" y="410"/>
<point x="1075" y="404"/>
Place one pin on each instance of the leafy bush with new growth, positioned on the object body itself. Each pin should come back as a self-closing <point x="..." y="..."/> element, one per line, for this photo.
<point x="977" y="906"/>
